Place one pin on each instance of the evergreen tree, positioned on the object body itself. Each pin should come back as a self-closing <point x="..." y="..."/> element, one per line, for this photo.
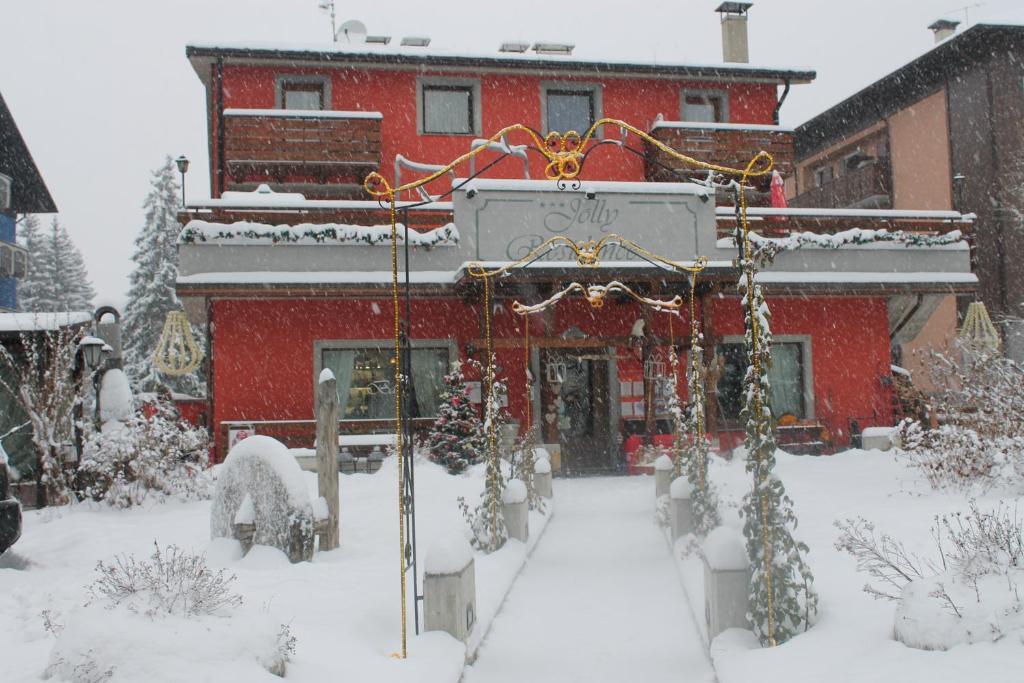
<point x="782" y="596"/>
<point x="151" y="294"/>
<point x="454" y="440"/>
<point x="58" y="280"/>
<point x="35" y="292"/>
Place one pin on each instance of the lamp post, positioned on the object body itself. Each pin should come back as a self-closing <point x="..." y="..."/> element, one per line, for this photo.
<point x="88" y="357"/>
<point x="182" y="162"/>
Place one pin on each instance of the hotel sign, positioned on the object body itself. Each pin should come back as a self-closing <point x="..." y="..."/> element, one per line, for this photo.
<point x="504" y="220"/>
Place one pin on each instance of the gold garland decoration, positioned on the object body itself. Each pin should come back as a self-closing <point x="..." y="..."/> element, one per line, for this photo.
<point x="177" y="353"/>
<point x="565" y="155"/>
<point x="595" y="295"/>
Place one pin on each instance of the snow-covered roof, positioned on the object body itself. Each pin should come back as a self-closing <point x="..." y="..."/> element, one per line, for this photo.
<point x="436" y="55"/>
<point x="42" y="322"/>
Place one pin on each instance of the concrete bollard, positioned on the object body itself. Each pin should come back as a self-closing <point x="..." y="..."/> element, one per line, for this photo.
<point x="680" y="511"/>
<point x="663" y="467"/>
<point x="515" y="510"/>
<point x="877" y="438"/>
<point x="542" y="478"/>
<point x="726" y="581"/>
<point x="449" y="588"/>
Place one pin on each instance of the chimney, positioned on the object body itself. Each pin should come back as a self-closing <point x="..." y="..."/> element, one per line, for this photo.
<point x="734" y="31"/>
<point x="943" y="28"/>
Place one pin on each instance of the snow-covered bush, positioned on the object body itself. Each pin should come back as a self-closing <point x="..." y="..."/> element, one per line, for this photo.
<point x="170" y="618"/>
<point x="142" y="457"/>
<point x="524" y="460"/>
<point x="261" y="484"/>
<point x="978" y="443"/>
<point x="968" y="591"/>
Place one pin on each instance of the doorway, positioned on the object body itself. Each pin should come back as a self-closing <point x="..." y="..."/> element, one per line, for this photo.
<point x="575" y="408"/>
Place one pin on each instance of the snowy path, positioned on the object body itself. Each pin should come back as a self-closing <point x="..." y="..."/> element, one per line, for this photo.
<point x="599" y="600"/>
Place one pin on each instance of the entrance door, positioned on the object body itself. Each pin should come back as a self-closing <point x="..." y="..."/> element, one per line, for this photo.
<point x="575" y="407"/>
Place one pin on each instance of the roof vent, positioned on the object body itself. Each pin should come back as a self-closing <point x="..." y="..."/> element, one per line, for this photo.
<point x="513" y="46"/>
<point x="943" y="28"/>
<point x="378" y="40"/>
<point x="416" y="41"/>
<point x="553" y="48"/>
<point x="734" y="31"/>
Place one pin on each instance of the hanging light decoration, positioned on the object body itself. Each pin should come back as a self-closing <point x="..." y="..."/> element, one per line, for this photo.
<point x="177" y="353"/>
<point x="654" y="366"/>
<point x="978" y="330"/>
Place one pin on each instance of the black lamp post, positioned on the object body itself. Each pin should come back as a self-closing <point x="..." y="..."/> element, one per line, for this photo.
<point x="182" y="162"/>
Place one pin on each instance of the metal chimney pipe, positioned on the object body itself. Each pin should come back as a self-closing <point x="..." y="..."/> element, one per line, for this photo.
<point x="734" y="31"/>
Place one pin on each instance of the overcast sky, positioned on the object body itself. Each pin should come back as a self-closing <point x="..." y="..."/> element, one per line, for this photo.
<point x="101" y="89"/>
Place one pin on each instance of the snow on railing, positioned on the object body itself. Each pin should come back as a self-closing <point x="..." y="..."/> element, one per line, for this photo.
<point x="245" y="232"/>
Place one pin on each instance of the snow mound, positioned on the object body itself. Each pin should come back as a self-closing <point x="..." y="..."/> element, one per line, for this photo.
<point x="115" y="397"/>
<point x="541" y="453"/>
<point x="725" y="550"/>
<point x="515" y="492"/>
<point x="541" y="466"/>
<point x="663" y="463"/>
<point x="449" y="555"/>
<point x="260" y="468"/>
<point x="680" y="488"/>
<point x="118" y="645"/>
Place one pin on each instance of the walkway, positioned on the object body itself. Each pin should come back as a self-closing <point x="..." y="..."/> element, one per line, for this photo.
<point x="599" y="600"/>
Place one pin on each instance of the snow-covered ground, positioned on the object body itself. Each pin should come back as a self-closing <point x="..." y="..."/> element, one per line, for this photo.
<point x="853" y="638"/>
<point x="599" y="599"/>
<point x="343" y="608"/>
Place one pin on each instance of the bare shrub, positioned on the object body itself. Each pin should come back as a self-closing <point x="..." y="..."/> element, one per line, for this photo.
<point x="171" y="582"/>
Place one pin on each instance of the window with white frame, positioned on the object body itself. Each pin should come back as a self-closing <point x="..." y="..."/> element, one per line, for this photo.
<point x="705" y="106"/>
<point x="568" y="110"/>
<point x="447" y="106"/>
<point x="789" y="377"/>
<point x="5" y="192"/>
<point x="366" y="375"/>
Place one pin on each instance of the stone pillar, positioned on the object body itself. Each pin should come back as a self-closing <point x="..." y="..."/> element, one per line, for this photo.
<point x="449" y="588"/>
<point x="515" y="510"/>
<point x="726" y="581"/>
<point x="680" y="510"/>
<point x="663" y="467"/>
<point x="542" y="478"/>
<point x="327" y="456"/>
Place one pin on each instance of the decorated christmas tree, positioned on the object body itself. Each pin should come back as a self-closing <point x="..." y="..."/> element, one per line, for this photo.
<point x="782" y="597"/>
<point x="456" y="440"/>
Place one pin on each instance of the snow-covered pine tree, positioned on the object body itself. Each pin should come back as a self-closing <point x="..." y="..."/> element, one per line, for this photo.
<point x="782" y="597"/>
<point x="151" y="294"/>
<point x="57" y="278"/>
<point x="704" y="499"/>
<point x="454" y="440"/>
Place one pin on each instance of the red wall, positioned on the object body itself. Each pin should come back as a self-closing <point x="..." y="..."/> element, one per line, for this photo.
<point x="277" y="335"/>
<point x="505" y="99"/>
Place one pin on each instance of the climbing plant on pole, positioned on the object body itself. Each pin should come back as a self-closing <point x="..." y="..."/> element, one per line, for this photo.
<point x="704" y="499"/>
<point x="782" y="597"/>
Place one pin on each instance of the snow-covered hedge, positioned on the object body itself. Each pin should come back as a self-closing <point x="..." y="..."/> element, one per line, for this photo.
<point x="260" y="483"/>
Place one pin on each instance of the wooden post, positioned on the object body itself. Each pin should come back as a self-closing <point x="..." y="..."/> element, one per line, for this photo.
<point x="327" y="456"/>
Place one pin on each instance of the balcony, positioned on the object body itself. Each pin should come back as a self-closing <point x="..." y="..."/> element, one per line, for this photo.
<point x="321" y="154"/>
<point x="867" y="187"/>
<point x="724" y="144"/>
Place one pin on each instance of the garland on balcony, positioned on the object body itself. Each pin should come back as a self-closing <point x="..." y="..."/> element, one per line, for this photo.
<point x="767" y="248"/>
<point x="198" y="231"/>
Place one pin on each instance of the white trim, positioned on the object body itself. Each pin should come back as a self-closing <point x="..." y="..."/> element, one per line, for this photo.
<point x="446" y="81"/>
<point x="698" y="125"/>
<point x="306" y="113"/>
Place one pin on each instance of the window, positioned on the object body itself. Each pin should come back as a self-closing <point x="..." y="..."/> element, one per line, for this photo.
<point x="569" y="106"/>
<point x="303" y="92"/>
<point x="789" y="377"/>
<point x="823" y="175"/>
<point x="365" y="376"/>
<point x="705" y="106"/>
<point x="5" y="192"/>
<point x="448" y="106"/>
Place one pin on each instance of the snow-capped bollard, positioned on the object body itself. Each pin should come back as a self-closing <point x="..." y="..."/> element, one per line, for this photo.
<point x="449" y="588"/>
<point x="663" y="467"/>
<point x="515" y="510"/>
<point x="877" y="438"/>
<point x="680" y="511"/>
<point x="726" y="581"/>
<point x="542" y="478"/>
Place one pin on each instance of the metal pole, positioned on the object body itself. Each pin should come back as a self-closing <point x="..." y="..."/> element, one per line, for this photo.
<point x="182" y="189"/>
<point x="408" y="456"/>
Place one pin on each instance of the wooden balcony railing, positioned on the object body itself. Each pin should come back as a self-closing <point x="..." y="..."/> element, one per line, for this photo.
<point x="732" y="145"/>
<point x="869" y="186"/>
<point x="298" y="150"/>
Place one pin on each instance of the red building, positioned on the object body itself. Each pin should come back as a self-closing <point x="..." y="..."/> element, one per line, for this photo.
<point x="289" y="263"/>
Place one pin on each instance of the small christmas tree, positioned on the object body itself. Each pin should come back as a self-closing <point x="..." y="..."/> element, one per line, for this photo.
<point x="456" y="438"/>
<point x="782" y="597"/>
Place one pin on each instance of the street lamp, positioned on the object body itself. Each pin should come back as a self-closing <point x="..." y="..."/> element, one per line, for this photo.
<point x="182" y="162"/>
<point x="92" y="349"/>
